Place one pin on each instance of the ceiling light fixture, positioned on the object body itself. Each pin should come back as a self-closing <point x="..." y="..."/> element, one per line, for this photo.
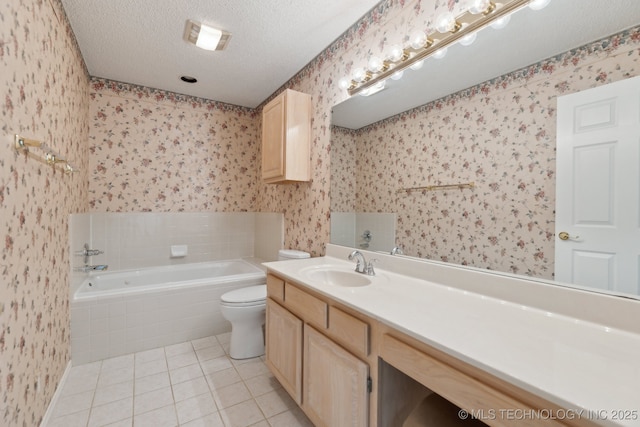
<point x="205" y="37"/>
<point x="449" y="30"/>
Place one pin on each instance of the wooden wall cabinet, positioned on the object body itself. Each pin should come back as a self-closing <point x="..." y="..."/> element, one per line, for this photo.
<point x="286" y="138"/>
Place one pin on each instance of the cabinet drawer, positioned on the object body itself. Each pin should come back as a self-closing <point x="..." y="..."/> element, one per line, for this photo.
<point x="310" y="308"/>
<point x="275" y="287"/>
<point x="352" y="332"/>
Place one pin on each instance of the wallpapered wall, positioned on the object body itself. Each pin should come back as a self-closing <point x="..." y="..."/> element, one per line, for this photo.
<point x="500" y="135"/>
<point x="152" y="150"/>
<point x="45" y="95"/>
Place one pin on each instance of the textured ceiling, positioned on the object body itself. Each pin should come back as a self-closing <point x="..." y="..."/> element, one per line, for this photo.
<point x="141" y="42"/>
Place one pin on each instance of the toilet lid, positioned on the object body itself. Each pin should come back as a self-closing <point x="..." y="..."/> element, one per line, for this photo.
<point x="248" y="294"/>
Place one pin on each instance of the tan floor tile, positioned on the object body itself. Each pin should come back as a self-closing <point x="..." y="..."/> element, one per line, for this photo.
<point x="242" y="415"/>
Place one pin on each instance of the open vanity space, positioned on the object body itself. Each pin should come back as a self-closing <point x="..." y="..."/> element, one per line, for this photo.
<point x="424" y="343"/>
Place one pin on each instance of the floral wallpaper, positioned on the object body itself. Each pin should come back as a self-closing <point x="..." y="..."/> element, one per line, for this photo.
<point x="499" y="135"/>
<point x="45" y="96"/>
<point x="152" y="150"/>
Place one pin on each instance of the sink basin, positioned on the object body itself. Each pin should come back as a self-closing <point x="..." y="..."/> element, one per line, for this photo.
<point x="337" y="277"/>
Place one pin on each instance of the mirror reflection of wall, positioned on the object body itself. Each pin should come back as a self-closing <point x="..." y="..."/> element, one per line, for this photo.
<point x="499" y="134"/>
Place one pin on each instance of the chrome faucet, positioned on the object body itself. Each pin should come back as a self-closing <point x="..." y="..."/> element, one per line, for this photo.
<point x="88" y="268"/>
<point x="362" y="266"/>
<point x="397" y="250"/>
<point x="86" y="253"/>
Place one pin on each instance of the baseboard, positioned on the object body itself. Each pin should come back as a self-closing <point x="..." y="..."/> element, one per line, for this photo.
<point x="56" y="396"/>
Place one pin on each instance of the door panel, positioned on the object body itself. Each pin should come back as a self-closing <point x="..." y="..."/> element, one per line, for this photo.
<point x="598" y="188"/>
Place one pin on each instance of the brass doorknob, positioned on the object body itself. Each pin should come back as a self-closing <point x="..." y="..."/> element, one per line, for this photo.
<point x="563" y="235"/>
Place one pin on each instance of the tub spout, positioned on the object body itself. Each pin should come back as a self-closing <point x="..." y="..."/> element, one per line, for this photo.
<point x="88" y="268"/>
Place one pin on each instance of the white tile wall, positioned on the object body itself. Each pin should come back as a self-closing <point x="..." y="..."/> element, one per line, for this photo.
<point x="347" y="229"/>
<point x="382" y="227"/>
<point x="138" y="240"/>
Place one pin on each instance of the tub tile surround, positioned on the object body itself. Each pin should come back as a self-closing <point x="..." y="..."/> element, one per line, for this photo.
<point x="139" y="240"/>
<point x="193" y="383"/>
<point x="575" y="348"/>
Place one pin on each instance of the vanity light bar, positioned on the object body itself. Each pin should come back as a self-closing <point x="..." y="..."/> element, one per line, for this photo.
<point x="436" y="42"/>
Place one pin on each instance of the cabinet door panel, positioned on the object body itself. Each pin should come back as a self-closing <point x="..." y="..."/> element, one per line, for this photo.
<point x="273" y="143"/>
<point x="284" y="348"/>
<point x="335" y="383"/>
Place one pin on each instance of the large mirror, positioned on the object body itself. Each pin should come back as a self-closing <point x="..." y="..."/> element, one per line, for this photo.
<point x="498" y="137"/>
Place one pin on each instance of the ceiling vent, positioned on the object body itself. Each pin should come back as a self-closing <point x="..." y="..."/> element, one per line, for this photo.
<point x="205" y="37"/>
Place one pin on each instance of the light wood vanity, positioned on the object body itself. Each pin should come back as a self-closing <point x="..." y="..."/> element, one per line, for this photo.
<point x="345" y="368"/>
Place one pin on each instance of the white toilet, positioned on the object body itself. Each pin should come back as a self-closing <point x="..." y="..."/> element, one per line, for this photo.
<point x="245" y="309"/>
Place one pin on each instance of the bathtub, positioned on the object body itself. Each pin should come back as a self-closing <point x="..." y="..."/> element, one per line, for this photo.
<point x="122" y="312"/>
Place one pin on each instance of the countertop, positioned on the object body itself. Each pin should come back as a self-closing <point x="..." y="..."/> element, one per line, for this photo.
<point x="577" y="364"/>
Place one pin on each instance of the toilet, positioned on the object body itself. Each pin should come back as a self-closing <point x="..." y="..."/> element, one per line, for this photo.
<point x="245" y="309"/>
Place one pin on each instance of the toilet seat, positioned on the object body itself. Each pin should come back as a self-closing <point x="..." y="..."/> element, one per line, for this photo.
<point x="245" y="297"/>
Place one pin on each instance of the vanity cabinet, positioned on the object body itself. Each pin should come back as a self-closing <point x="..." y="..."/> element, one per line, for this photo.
<point x="344" y="368"/>
<point x="286" y="138"/>
<point x="318" y="352"/>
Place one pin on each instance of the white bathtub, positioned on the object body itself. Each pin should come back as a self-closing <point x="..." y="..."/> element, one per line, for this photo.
<point x="115" y="313"/>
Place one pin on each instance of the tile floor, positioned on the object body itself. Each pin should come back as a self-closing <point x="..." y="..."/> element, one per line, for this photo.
<point x="189" y="384"/>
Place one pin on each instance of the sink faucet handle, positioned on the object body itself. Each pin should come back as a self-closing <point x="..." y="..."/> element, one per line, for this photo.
<point x="370" y="271"/>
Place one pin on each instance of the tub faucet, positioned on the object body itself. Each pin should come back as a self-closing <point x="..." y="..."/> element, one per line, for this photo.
<point x="88" y="268"/>
<point x="362" y="266"/>
<point x="86" y="253"/>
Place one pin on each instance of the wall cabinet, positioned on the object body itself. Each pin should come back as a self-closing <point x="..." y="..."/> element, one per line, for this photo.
<point x="286" y="138"/>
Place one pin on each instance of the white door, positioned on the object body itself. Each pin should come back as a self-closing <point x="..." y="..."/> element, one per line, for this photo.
<point x="597" y="189"/>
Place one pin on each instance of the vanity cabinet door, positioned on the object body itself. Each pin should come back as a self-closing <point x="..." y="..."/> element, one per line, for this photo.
<point x="284" y="348"/>
<point x="335" y="383"/>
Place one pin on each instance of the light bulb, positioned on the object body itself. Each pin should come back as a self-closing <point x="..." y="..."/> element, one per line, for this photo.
<point x="538" y="4"/>
<point x="359" y="74"/>
<point x="397" y="53"/>
<point x="375" y="64"/>
<point x="373" y="89"/>
<point x="477" y="7"/>
<point x="417" y="65"/>
<point x="440" y="53"/>
<point x="344" y="83"/>
<point x="446" y="23"/>
<point x="468" y="39"/>
<point x="397" y="75"/>
<point x="418" y="39"/>
<point x="501" y="23"/>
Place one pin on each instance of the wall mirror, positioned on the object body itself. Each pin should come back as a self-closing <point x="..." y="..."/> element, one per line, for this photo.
<point x="502" y="141"/>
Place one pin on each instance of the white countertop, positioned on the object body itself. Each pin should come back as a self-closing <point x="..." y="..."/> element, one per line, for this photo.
<point x="577" y="364"/>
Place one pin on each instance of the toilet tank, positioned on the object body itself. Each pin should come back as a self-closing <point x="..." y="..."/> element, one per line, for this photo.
<point x="292" y="254"/>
